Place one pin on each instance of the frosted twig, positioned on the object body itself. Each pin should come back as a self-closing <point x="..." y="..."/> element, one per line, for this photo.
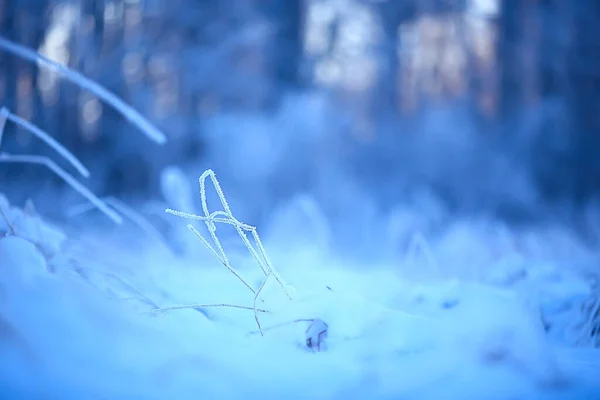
<point x="78" y="187"/>
<point x="241" y="229"/>
<point x="209" y="218"/>
<point x="281" y="325"/>
<point x="224" y="261"/>
<point x="272" y="271"/>
<point x="226" y="213"/>
<point x="226" y="217"/>
<point x="195" y="306"/>
<point x="128" y="112"/>
<point x="264" y="264"/>
<point x="5" y="114"/>
<point x="258" y="292"/>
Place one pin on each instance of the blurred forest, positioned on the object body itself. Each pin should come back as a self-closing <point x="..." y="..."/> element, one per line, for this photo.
<point x="490" y="104"/>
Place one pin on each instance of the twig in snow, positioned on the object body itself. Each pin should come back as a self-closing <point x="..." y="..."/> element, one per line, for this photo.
<point x="226" y="217"/>
<point x="196" y="306"/>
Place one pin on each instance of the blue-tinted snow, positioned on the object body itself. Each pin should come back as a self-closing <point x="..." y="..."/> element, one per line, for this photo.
<point x="78" y="324"/>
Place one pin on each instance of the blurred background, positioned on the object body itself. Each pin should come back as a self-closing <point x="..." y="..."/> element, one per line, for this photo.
<point x="354" y="110"/>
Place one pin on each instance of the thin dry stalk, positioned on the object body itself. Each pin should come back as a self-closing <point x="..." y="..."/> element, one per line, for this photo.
<point x="282" y="324"/>
<point x="68" y="178"/>
<point x="226" y="217"/>
<point x="197" y="306"/>
<point x="5" y="114"/>
<point x="128" y="112"/>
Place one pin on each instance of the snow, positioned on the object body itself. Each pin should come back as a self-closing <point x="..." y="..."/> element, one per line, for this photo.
<point x="77" y="320"/>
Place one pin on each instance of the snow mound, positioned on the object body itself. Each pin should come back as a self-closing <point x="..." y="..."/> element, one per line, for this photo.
<point x="89" y="328"/>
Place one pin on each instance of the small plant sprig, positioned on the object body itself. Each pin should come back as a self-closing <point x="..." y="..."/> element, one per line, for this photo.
<point x="6" y="115"/>
<point x="226" y="217"/>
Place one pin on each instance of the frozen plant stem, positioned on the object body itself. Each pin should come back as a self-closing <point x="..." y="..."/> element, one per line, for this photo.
<point x="223" y="261"/>
<point x="282" y="324"/>
<point x="226" y="217"/>
<point x="196" y="306"/>
<point x="262" y="286"/>
<point x="241" y="228"/>
<point x="78" y="187"/>
<point x="5" y="115"/>
<point x="119" y="105"/>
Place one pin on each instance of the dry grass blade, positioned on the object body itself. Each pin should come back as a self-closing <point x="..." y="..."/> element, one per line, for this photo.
<point x="209" y="218"/>
<point x="124" y="109"/>
<point x="227" y="214"/>
<point x="282" y="324"/>
<point x="272" y="271"/>
<point x="226" y="217"/>
<point x="258" y="292"/>
<point x="69" y="179"/>
<point x="224" y="261"/>
<point x="49" y="140"/>
<point x="240" y="227"/>
<point x="196" y="306"/>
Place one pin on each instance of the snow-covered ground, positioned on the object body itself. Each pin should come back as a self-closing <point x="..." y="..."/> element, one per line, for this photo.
<point x="476" y="313"/>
